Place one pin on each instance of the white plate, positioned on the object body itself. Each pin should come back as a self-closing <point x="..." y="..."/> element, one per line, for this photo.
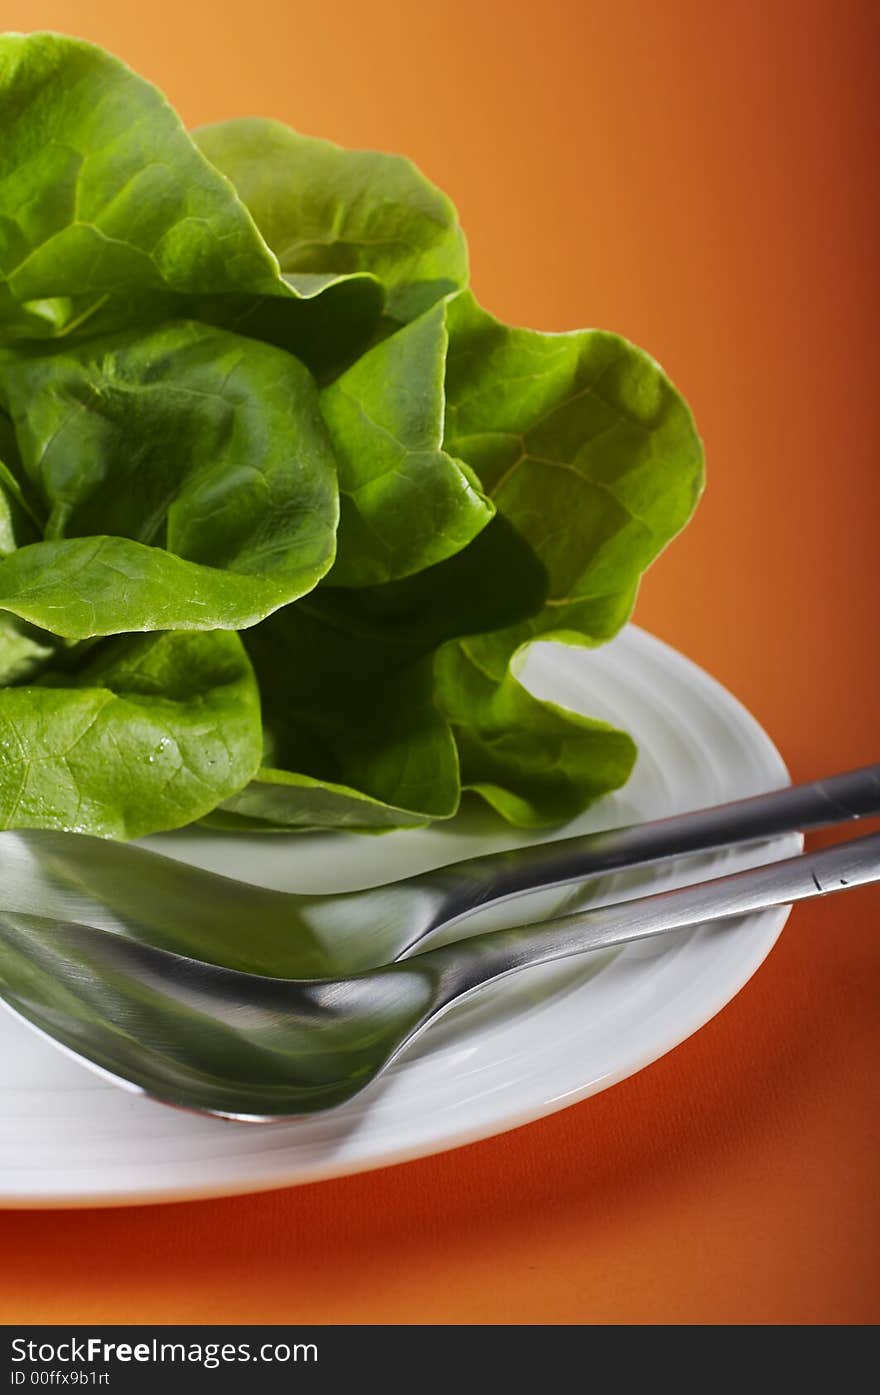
<point x="523" y="1049"/>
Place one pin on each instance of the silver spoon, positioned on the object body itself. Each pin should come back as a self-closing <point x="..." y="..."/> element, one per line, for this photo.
<point x="252" y="1047"/>
<point x="157" y="901"/>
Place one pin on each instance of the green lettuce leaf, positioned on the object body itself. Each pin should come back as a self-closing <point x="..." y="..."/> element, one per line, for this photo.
<point x="330" y="321"/>
<point x="25" y="651"/>
<point x="534" y="762"/>
<point x="110" y="216"/>
<point x="525" y="411"/>
<point x="243" y="388"/>
<point x="186" y="476"/>
<point x="19" y="523"/>
<point x="405" y="503"/>
<point x="354" y="735"/>
<point x="151" y="733"/>
<point x="329" y="211"/>
<point x="280" y="801"/>
<point x="587" y="449"/>
<point x="584" y="445"/>
<point x="350" y="714"/>
<point x="104" y="199"/>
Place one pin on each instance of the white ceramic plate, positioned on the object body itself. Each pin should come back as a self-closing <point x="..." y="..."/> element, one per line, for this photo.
<point x="525" y="1048"/>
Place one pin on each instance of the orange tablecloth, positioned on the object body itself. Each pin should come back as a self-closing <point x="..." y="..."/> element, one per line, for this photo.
<point x="700" y="178"/>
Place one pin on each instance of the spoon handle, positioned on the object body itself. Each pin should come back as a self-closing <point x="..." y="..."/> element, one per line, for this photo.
<point x="465" y="886"/>
<point x="466" y="966"/>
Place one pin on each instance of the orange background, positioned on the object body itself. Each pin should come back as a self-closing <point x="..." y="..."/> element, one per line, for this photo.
<point x="701" y="178"/>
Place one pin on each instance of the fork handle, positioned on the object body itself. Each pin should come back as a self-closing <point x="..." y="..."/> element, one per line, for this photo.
<point x="464" y="967"/>
<point x="463" y="887"/>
